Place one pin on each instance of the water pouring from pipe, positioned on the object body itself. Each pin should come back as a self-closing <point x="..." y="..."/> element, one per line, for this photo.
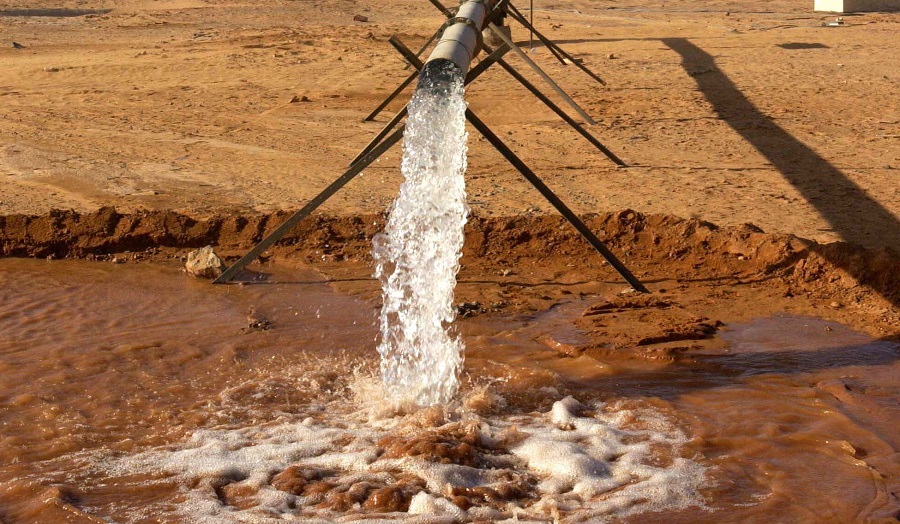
<point x="417" y="255"/>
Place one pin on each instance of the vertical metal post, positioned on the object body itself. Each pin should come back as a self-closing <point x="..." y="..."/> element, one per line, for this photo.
<point x="531" y="30"/>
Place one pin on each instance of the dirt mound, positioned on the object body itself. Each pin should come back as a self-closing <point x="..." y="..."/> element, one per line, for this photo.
<point x="650" y="245"/>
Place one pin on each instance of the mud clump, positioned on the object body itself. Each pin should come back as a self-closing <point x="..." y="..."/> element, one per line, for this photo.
<point x="373" y="496"/>
<point x="389" y="499"/>
<point x="433" y="447"/>
<point x="625" y="303"/>
<point x="295" y="479"/>
<point x="326" y="490"/>
<point x="238" y="495"/>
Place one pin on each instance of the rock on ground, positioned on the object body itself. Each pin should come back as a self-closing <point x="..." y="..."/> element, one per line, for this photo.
<point x="204" y="263"/>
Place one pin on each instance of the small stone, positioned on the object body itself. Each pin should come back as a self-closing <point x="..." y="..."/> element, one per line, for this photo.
<point x="612" y="56"/>
<point x="204" y="263"/>
<point x="468" y="309"/>
<point x="360" y="18"/>
<point x="836" y="305"/>
<point x="255" y="322"/>
<point x="17" y="45"/>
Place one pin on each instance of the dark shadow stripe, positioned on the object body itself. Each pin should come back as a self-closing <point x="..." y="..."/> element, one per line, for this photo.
<point x="855" y="217"/>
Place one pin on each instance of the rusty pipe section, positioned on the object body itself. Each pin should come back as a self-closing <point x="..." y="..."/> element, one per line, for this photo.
<point x="458" y="45"/>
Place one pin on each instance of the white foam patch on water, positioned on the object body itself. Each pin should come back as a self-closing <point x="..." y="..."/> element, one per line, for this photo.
<point x="582" y="463"/>
<point x="417" y="256"/>
<point x="594" y="465"/>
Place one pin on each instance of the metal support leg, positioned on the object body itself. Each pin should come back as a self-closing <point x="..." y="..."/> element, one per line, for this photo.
<point x="320" y="199"/>
<point x="553" y="46"/>
<point x="555" y="201"/>
<point x="474" y="73"/>
<point x="562" y="114"/>
<point x="405" y="83"/>
<point x="383" y="133"/>
<point x="391" y="96"/>
<point x="512" y="45"/>
<point x="447" y="12"/>
<point x="425" y="46"/>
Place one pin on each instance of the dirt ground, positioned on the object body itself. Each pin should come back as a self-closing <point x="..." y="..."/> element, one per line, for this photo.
<point x="204" y="121"/>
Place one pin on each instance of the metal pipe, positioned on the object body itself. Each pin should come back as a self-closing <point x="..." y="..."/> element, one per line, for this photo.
<point x="458" y="45"/>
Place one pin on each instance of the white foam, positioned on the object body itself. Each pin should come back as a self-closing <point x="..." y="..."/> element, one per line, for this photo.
<point x="606" y="466"/>
<point x="424" y="504"/>
<point x="600" y="466"/>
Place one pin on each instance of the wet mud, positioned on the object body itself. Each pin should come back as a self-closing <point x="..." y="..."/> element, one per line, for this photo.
<point x="135" y="393"/>
<point x="657" y="248"/>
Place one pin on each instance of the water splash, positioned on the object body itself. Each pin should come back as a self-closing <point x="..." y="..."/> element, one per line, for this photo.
<point x="417" y="256"/>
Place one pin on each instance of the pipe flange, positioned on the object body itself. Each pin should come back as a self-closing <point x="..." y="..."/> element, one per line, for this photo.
<point x="460" y="20"/>
<point x="463" y="20"/>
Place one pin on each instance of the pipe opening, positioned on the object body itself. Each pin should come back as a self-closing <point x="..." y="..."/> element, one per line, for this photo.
<point x="439" y="76"/>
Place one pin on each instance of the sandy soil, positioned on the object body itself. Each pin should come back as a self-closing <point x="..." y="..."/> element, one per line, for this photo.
<point x="732" y="112"/>
<point x="737" y="113"/>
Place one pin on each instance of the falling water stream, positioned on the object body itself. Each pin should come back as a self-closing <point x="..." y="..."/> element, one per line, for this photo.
<point x="417" y="256"/>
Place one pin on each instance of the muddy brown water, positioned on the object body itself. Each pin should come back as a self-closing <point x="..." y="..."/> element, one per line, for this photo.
<point x="132" y="393"/>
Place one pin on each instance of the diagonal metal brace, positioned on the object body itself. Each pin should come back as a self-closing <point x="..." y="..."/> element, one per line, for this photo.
<point x="320" y="199"/>
<point x="475" y="72"/>
<point x="551" y="197"/>
<point x="537" y="69"/>
<point x="562" y="114"/>
<point x="554" y="48"/>
<point x="391" y="96"/>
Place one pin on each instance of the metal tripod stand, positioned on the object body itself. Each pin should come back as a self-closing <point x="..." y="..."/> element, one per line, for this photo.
<point x="393" y="131"/>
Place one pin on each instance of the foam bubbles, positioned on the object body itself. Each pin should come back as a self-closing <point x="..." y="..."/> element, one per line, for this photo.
<point x="574" y="463"/>
<point x="603" y="469"/>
